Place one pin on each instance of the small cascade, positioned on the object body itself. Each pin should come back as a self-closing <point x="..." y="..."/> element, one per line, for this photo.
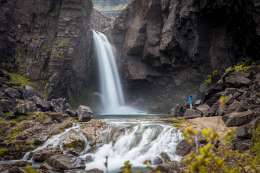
<point x="136" y="141"/>
<point x="111" y="88"/>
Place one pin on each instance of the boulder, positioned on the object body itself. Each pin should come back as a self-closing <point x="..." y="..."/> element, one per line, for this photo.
<point x="165" y="158"/>
<point x="244" y="132"/>
<point x="157" y="161"/>
<point x="236" y="106"/>
<point x="29" y="92"/>
<point x="43" y="105"/>
<point x="65" y="162"/>
<point x="59" y="105"/>
<point x="242" y="145"/>
<point x="12" y="93"/>
<point x="43" y="155"/>
<point x="204" y="109"/>
<point x="192" y="113"/>
<point x="237" y="79"/>
<point x="84" y="113"/>
<point x="183" y="148"/>
<point x="25" y="107"/>
<point x="238" y="118"/>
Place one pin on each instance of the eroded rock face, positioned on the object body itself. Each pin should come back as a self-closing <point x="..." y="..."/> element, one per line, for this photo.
<point x="170" y="45"/>
<point x="47" y="40"/>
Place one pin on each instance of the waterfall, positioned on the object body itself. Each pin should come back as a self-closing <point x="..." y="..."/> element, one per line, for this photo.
<point x="111" y="89"/>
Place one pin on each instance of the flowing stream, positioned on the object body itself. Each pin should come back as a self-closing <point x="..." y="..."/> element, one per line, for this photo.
<point x="112" y="95"/>
<point x="134" y="140"/>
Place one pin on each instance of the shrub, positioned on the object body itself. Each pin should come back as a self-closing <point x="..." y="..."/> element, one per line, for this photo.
<point x="214" y="157"/>
<point x="30" y="169"/>
<point x="19" y="79"/>
<point x="3" y="151"/>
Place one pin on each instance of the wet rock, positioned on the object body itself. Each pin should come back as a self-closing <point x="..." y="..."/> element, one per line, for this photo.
<point x="204" y="109"/>
<point x="65" y="162"/>
<point x="183" y="148"/>
<point x="12" y="166"/>
<point x="165" y="158"/>
<point x="157" y="161"/>
<point x="7" y="105"/>
<point x="74" y="143"/>
<point x="43" y="155"/>
<point x="170" y="167"/>
<point x="84" y="113"/>
<point x="95" y="171"/>
<point x="192" y="113"/>
<point x="238" y="118"/>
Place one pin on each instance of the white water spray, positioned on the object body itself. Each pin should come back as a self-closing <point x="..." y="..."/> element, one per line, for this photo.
<point x="111" y="89"/>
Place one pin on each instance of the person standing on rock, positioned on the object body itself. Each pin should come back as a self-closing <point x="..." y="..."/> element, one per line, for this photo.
<point x="190" y="101"/>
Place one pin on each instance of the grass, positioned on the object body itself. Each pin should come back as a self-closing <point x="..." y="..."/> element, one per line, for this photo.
<point x="30" y="169"/>
<point x="19" y="79"/>
<point x="3" y="151"/>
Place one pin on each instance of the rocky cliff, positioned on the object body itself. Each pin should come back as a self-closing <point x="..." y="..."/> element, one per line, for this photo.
<point x="110" y="7"/>
<point x="169" y="46"/>
<point x="48" y="41"/>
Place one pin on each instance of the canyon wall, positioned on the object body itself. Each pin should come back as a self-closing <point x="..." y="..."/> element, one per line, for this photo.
<point x="49" y="41"/>
<point x="168" y="47"/>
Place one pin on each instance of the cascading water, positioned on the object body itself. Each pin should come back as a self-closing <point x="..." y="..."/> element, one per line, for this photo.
<point x="130" y="140"/>
<point x="111" y="89"/>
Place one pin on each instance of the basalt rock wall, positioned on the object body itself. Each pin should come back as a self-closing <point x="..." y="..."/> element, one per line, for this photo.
<point x="48" y="41"/>
<point x="168" y="47"/>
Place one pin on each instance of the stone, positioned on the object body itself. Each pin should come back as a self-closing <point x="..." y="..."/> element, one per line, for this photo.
<point x="236" y="106"/>
<point x="43" y="155"/>
<point x="238" y="118"/>
<point x="157" y="161"/>
<point x="12" y="93"/>
<point x="65" y="162"/>
<point x="94" y="171"/>
<point x="204" y="108"/>
<point x="237" y="79"/>
<point x="43" y="105"/>
<point x="25" y="107"/>
<point x="242" y="145"/>
<point x="29" y="92"/>
<point x="59" y="105"/>
<point x="165" y="158"/>
<point x="192" y="113"/>
<point x="243" y="132"/>
<point x="7" y="105"/>
<point x="84" y="113"/>
<point x="183" y="148"/>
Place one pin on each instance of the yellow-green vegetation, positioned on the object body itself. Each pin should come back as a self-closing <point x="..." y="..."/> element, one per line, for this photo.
<point x="223" y="100"/>
<point x="19" y="79"/>
<point x="30" y="169"/>
<point x="210" y="78"/>
<point x="215" y="157"/>
<point x="178" y="122"/>
<point x="3" y="151"/>
<point x="241" y="67"/>
<point x="256" y="144"/>
<point x="77" y="145"/>
<point x="127" y="168"/>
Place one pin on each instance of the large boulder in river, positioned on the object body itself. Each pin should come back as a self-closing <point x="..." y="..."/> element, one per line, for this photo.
<point x="63" y="162"/>
<point x="237" y="79"/>
<point x="84" y="113"/>
<point x="183" y="148"/>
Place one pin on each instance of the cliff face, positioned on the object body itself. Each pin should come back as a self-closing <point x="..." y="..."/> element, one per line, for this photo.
<point x="169" y="46"/>
<point x="110" y="7"/>
<point x="49" y="41"/>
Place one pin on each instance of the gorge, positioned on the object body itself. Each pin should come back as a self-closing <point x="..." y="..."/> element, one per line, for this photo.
<point x="106" y="86"/>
